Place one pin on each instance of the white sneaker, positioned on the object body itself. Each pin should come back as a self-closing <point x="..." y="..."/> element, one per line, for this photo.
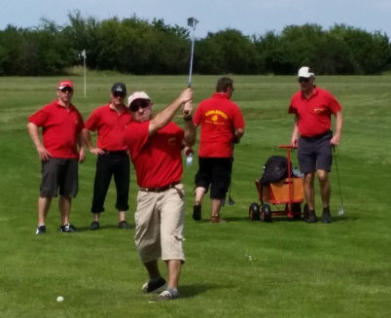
<point x="168" y="294"/>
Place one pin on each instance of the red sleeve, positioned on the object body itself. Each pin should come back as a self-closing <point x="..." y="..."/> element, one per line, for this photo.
<point x="292" y="109"/>
<point x="334" y="105"/>
<point x="197" y="116"/>
<point x="39" y="118"/>
<point x="136" y="136"/>
<point x="92" y="121"/>
<point x="238" y="120"/>
<point x="80" y="125"/>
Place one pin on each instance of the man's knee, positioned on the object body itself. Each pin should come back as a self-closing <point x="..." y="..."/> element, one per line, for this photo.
<point x="309" y="178"/>
<point x="323" y="176"/>
<point x="219" y="191"/>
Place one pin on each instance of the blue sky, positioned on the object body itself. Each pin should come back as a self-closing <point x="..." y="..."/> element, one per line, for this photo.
<point x="248" y="16"/>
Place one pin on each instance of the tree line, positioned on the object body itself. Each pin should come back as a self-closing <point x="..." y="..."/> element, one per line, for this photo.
<point x="137" y="46"/>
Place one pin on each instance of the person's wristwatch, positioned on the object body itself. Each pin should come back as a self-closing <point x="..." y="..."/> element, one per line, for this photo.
<point x="187" y="117"/>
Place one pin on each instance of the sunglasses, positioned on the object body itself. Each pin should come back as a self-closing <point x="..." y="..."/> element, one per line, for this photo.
<point x="137" y="104"/>
<point x="304" y="79"/>
<point x="119" y="94"/>
<point x="66" y="89"/>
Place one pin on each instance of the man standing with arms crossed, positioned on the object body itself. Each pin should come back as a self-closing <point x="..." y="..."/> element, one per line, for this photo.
<point x="110" y="121"/>
<point x="313" y="107"/>
<point x="61" y="126"/>
<point x="155" y="144"/>
<point x="222" y="125"/>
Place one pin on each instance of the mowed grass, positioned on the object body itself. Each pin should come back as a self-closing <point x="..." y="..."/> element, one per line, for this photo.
<point x="241" y="268"/>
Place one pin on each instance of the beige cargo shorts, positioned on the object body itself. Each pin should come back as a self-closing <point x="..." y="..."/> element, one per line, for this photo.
<point x="159" y="224"/>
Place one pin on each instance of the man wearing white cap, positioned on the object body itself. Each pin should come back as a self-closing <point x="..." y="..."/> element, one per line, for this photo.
<point x="59" y="153"/>
<point x="312" y="135"/>
<point x="155" y="144"/>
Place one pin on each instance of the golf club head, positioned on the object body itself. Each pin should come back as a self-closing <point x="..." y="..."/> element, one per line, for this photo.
<point x="230" y="200"/>
<point x="341" y="211"/>
<point x="192" y="22"/>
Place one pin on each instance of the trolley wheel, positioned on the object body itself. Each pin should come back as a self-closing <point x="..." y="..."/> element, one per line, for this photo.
<point x="253" y="212"/>
<point x="266" y="213"/>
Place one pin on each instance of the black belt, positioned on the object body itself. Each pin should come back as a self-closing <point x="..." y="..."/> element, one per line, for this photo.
<point x="328" y="132"/>
<point x="118" y="152"/>
<point x="160" y="189"/>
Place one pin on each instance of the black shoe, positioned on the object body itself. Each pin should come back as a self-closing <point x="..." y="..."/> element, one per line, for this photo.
<point x="123" y="225"/>
<point x="94" y="225"/>
<point x="68" y="228"/>
<point x="326" y="216"/>
<point x="154" y="285"/>
<point x="40" y="230"/>
<point x="306" y="212"/>
<point x="197" y="212"/>
<point x="311" y="217"/>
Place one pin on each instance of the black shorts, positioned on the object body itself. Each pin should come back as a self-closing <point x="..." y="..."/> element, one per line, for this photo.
<point x="59" y="174"/>
<point x="314" y="153"/>
<point x="215" y="172"/>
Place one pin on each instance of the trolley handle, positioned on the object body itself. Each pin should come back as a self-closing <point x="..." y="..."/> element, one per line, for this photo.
<point x="287" y="147"/>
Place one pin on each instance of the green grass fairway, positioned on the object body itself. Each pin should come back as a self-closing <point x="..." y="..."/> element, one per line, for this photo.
<point x="237" y="269"/>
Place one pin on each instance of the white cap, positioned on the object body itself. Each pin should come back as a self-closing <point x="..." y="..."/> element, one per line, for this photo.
<point x="305" y="71"/>
<point x="137" y="95"/>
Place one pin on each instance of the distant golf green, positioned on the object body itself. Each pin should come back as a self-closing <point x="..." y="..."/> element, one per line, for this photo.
<point x="237" y="269"/>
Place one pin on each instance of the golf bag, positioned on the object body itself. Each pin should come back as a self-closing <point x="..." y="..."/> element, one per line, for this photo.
<point x="275" y="169"/>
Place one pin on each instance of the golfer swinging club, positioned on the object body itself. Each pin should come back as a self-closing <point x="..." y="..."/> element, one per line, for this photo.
<point x="155" y="144"/>
<point x="313" y="107"/>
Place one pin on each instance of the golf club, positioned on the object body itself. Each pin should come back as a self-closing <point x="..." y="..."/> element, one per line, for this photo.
<point x="341" y="210"/>
<point x="230" y="199"/>
<point x="191" y="22"/>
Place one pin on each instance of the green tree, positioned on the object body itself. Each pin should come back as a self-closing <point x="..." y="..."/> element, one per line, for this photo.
<point x="227" y="51"/>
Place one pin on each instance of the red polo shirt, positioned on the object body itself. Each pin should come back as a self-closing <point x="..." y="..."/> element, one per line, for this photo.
<point x="314" y="112"/>
<point x="219" y="118"/>
<point x="60" y="128"/>
<point x="110" y="126"/>
<point x="157" y="158"/>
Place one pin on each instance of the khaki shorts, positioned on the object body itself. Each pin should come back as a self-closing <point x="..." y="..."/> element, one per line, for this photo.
<point x="159" y="224"/>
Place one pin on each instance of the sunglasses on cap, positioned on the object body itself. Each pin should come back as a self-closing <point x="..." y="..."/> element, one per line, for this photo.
<point x="119" y="94"/>
<point x="139" y="103"/>
<point x="66" y="89"/>
<point x="304" y="79"/>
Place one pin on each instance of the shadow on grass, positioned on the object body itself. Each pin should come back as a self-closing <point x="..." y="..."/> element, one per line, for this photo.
<point x="103" y="227"/>
<point x="334" y="219"/>
<point x="189" y="291"/>
<point x="246" y="219"/>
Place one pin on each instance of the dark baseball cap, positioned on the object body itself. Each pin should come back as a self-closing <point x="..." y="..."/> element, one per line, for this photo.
<point x="119" y="88"/>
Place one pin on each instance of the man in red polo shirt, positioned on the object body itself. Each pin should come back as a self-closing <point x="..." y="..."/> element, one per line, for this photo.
<point x="313" y="107"/>
<point x="59" y="153"/>
<point x="110" y="122"/>
<point x="222" y="125"/>
<point x="155" y="144"/>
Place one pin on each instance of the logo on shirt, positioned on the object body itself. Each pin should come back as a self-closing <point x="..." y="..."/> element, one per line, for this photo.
<point x="215" y="115"/>
<point x="319" y="110"/>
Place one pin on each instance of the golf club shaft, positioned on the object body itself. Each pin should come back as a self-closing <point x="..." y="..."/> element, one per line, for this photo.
<point x="191" y="59"/>
<point x="338" y="179"/>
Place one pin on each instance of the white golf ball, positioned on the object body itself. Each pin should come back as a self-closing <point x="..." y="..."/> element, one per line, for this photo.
<point x="60" y="299"/>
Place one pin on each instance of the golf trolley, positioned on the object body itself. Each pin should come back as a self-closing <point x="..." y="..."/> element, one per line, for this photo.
<point x="287" y="192"/>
